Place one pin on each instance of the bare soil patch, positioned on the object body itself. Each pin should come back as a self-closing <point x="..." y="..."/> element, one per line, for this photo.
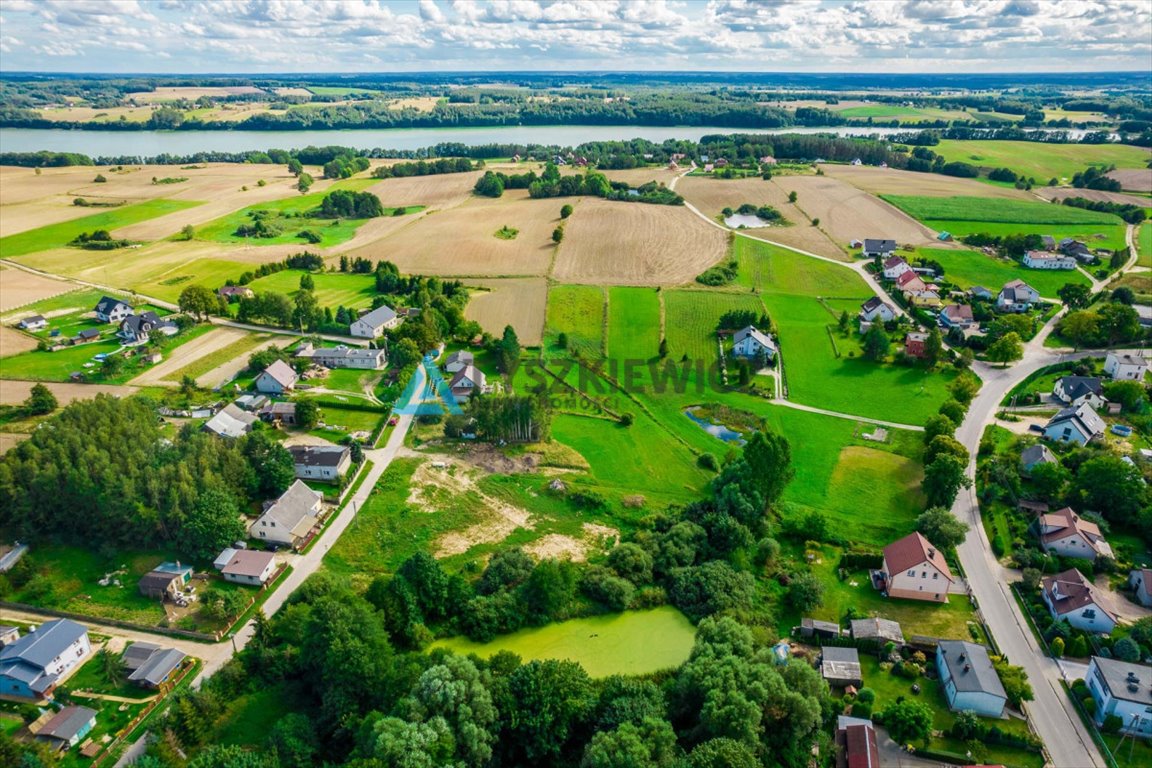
<point x="518" y="302"/>
<point x="1099" y="195"/>
<point x="13" y="342"/>
<point x="185" y="355"/>
<point x="559" y="546"/>
<point x="442" y="191"/>
<point x="890" y="181"/>
<point x="193" y="92"/>
<point x="618" y="243"/>
<point x="9" y="440"/>
<point x="1136" y="179"/>
<point x="19" y="288"/>
<point x="15" y="392"/>
<point x="638" y="176"/>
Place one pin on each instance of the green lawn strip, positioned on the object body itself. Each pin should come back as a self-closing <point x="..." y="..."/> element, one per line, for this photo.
<point x="250" y="717"/>
<point x="1041" y="161"/>
<point x="578" y="311"/>
<point x="691" y="318"/>
<point x="211" y="273"/>
<point x="633" y="323"/>
<point x="226" y="354"/>
<point x="90" y="677"/>
<point x="333" y="289"/>
<point x="996" y="209"/>
<point x="59" y="235"/>
<point x="360" y="475"/>
<point x="349" y="414"/>
<point x="901" y="113"/>
<point x="349" y="379"/>
<point x="261" y="598"/>
<point x="1110" y="236"/>
<point x="78" y="298"/>
<point x="969" y="268"/>
<point x="1144" y="244"/>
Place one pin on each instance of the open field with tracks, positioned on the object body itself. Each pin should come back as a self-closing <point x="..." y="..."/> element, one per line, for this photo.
<point x="518" y="302"/>
<point x="210" y="343"/>
<point x="890" y="181"/>
<point x="19" y="288"/>
<point x="111" y="219"/>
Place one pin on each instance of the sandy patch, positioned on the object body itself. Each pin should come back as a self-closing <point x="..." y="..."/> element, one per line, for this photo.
<point x="192" y="92"/>
<point x="559" y="546"/>
<point x="518" y="302"/>
<point x="19" y="288"/>
<point x="185" y="355"/>
<point x="890" y="181"/>
<point x="1059" y="193"/>
<point x="16" y="392"/>
<point x="619" y="243"/>
<point x="13" y="342"/>
<point x="303" y="438"/>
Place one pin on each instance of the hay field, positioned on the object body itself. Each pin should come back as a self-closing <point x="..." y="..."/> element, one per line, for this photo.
<point x="1137" y="180"/>
<point x="418" y="103"/>
<point x="712" y="196"/>
<point x="1059" y="193"/>
<point x="19" y="288"/>
<point x="518" y="302"/>
<point x="461" y="240"/>
<point x="13" y="342"/>
<point x="612" y="243"/>
<point x="97" y="115"/>
<point x="847" y="213"/>
<point x="638" y="176"/>
<point x="890" y="181"/>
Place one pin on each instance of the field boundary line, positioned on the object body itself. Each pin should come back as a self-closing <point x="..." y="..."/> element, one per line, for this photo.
<point x="849" y="416"/>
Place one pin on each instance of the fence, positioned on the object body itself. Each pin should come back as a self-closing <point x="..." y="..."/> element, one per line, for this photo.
<point x="110" y="749"/>
<point x="187" y="634"/>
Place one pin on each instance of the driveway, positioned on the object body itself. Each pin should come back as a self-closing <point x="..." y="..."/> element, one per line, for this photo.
<point x="892" y="756"/>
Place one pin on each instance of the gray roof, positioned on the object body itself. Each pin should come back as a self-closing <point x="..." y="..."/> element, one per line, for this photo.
<point x="840" y="664"/>
<point x="137" y="653"/>
<point x="1083" y="417"/>
<point x="107" y="304"/>
<point x="318" y="455"/>
<point x="1036" y="454"/>
<point x="1076" y="387"/>
<point x="472" y="374"/>
<point x="294" y="506"/>
<point x="231" y="422"/>
<point x="876" y="629"/>
<point x="1120" y="675"/>
<point x="282" y="373"/>
<point x="761" y="338"/>
<point x="971" y="667"/>
<point x="883" y="246"/>
<point x="379" y="316"/>
<point x="39" y="648"/>
<point x="67" y="723"/>
<point x="158" y="666"/>
<point x="462" y="356"/>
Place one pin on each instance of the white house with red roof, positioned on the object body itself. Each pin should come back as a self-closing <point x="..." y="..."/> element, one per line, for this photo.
<point x="910" y="282"/>
<point x="895" y="266"/>
<point x="1064" y="532"/>
<point x="1072" y="597"/>
<point x="916" y="570"/>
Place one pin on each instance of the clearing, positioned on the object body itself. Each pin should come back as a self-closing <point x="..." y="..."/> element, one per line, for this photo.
<point x="19" y="288"/>
<point x="518" y="302"/>
<point x="1041" y="161"/>
<point x="618" y="243"/>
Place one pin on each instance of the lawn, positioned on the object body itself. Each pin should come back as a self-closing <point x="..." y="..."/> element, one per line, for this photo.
<point x="994" y="209"/>
<point x="251" y="716"/>
<point x="578" y="311"/>
<point x="969" y="268"/>
<point x="59" y="235"/>
<point x="294" y="214"/>
<point x="1144" y="244"/>
<point x="1039" y="160"/>
<point x="90" y="677"/>
<point x="344" y="415"/>
<point x="333" y="289"/>
<point x="692" y="317"/>
<point x="211" y="273"/>
<point x="633" y="323"/>
<point x="1110" y="236"/>
<point x="349" y="379"/>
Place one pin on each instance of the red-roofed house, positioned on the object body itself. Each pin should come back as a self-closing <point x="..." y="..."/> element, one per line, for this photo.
<point x="1066" y="533"/>
<point x="1072" y="597"/>
<point x="910" y="282"/>
<point x="916" y="570"/>
<point x="895" y="266"/>
<point x="856" y="745"/>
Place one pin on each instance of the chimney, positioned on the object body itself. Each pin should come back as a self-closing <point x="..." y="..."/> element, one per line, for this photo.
<point x="967" y="667"/>
<point x="931" y="552"/>
<point x="961" y="657"/>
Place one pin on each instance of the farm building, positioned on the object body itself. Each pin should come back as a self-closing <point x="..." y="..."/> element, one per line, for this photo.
<point x="817" y="628"/>
<point x="1076" y="390"/>
<point x="276" y="379"/>
<point x="1140" y="579"/>
<point x="284" y="413"/>
<point x="320" y="462"/>
<point x="876" y="630"/>
<point x="841" y="667"/>
<point x="110" y="310"/>
<point x="289" y="519"/>
<point x="1122" y="689"/>
<point x="876" y="309"/>
<point x="1125" y="367"/>
<point x="149" y="665"/>
<point x="969" y="679"/>
<point x="1042" y="260"/>
<point x="878" y="249"/>
<point x="246" y="566"/>
<point x="751" y="343"/>
<point x="1072" y="597"/>
<point x="164" y="581"/>
<point x="1078" y="425"/>
<point x="230" y="422"/>
<point x="372" y="324"/>
<point x="1077" y="250"/>
<point x="31" y="667"/>
<point x="33" y="323"/>
<point x="915" y="569"/>
<point x="66" y="728"/>
<point x="1033" y="455"/>
<point x="1065" y="533"/>
<point x="8" y="635"/>
<point x="344" y="357"/>
<point x="86" y="336"/>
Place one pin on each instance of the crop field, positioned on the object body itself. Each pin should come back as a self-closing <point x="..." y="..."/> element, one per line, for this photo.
<point x="847" y="213"/>
<point x="633" y="323"/>
<point x="969" y="268"/>
<point x="691" y="318"/>
<point x="58" y="235"/>
<point x="165" y="93"/>
<point x="1135" y="180"/>
<point x="440" y="191"/>
<point x="211" y="273"/>
<point x="1062" y="193"/>
<point x="617" y="243"/>
<point x="333" y="289"/>
<point x="19" y="288"/>
<point x="638" y="176"/>
<point x="890" y="181"/>
<point x="1111" y="236"/>
<point x="578" y="311"/>
<point x="987" y="209"/>
<point x="14" y="342"/>
<point x="1041" y="161"/>
<point x="518" y="302"/>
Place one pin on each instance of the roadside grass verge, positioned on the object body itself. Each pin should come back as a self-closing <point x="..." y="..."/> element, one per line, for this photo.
<point x="59" y="235"/>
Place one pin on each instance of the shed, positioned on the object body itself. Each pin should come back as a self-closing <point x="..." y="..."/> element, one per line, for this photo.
<point x="841" y="666"/>
<point x="879" y="631"/>
<point x="816" y="628"/>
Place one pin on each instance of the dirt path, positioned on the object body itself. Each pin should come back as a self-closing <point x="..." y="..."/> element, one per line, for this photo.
<point x="211" y="342"/>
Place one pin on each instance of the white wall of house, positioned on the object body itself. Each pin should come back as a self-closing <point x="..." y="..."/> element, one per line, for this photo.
<point x="749" y="347"/>
<point x="924" y="582"/>
<point x="1123" y="371"/>
<point x="1090" y="618"/>
<point x="1106" y="704"/>
<point x="1072" y="545"/>
<point x="268" y="385"/>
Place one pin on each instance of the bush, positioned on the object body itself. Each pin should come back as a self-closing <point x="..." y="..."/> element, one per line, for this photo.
<point x="1112" y="723"/>
<point x="708" y="461"/>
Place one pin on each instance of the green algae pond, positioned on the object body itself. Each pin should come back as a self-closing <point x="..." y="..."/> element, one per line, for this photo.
<point x="630" y="643"/>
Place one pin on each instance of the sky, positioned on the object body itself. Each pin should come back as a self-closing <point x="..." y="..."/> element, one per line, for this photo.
<point x="283" y="36"/>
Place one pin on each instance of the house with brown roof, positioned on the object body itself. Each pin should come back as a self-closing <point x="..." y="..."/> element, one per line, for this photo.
<point x="856" y="745"/>
<point x="1064" y="532"/>
<point x="247" y="566"/>
<point x="1072" y="597"/>
<point x="916" y="570"/>
<point x="894" y="266"/>
<point x="956" y="316"/>
<point x="910" y="282"/>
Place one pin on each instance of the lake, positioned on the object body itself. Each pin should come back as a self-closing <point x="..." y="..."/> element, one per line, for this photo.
<point x="629" y="643"/>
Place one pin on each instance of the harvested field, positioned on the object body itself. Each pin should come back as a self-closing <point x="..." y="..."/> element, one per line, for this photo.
<point x="19" y="288"/>
<point x="636" y="244"/>
<point x="186" y="355"/>
<point x="847" y="213"/>
<point x="461" y="240"/>
<point x="9" y="440"/>
<point x="516" y="302"/>
<point x="640" y="176"/>
<point x="191" y="92"/>
<point x="712" y="196"/>
<point x="15" y="392"/>
<point x="97" y="114"/>
<point x="1099" y="195"/>
<point x="13" y="342"/>
<point x="1136" y="179"/>
<point x="442" y="191"/>
<point x="418" y="103"/>
<point x="890" y="181"/>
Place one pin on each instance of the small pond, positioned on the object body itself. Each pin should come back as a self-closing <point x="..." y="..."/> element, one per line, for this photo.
<point x="629" y="643"/>
<point x="748" y="220"/>
<point x="716" y="430"/>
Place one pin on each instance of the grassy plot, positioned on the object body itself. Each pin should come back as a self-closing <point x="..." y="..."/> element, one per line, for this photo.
<point x="251" y="716"/>
<point x="59" y="235"/>
<point x="692" y="317"/>
<point x="1110" y="236"/>
<point x="969" y="268"/>
<point x="211" y="273"/>
<point x="221" y="356"/>
<point x="1039" y="160"/>
<point x="333" y="289"/>
<point x="633" y="323"/>
<point x="578" y="311"/>
<point x="901" y="113"/>
<point x="992" y="209"/>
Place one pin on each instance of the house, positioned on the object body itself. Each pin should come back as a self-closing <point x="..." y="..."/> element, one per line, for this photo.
<point x="1122" y="689"/>
<point x="320" y="462"/>
<point x="1016" y="296"/>
<point x="67" y="727"/>
<point x="1078" y="425"/>
<point x="276" y="379"/>
<point x="817" y="628"/>
<point x="87" y="335"/>
<point x="841" y="667"/>
<point x="1077" y="390"/>
<point x="914" y="344"/>
<point x="1077" y="250"/>
<point x="165" y="580"/>
<point x="1042" y="260"/>
<point x="1064" y="532"/>
<point x="137" y="329"/>
<point x="751" y="343"/>
<point x="458" y="361"/>
<point x="1033" y="455"/>
<point x="33" y="323"/>
<point x="284" y="413"/>
<point x="970" y="681"/>
<point x="894" y="266"/>
<point x="372" y="324"/>
<point x="467" y="380"/>
<point x="956" y="316"/>
<point x="344" y="357"/>
<point x="878" y="631"/>
<point x="230" y="421"/>
<point x="248" y="566"/>
<point x="916" y="570"/>
<point x="1140" y="579"/>
<point x="910" y="282"/>
<point x="1072" y="597"/>
<point x="289" y="519"/>
<point x="149" y="665"/>
<point x="1144" y="314"/>
<point x="878" y="249"/>
<point x="235" y="292"/>
<point x="856" y="745"/>
<point x="1123" y="367"/>
<point x="1049" y="242"/>
<point x="926" y="299"/>
<point x="32" y="666"/>
<point x="8" y="635"/>
<point x="979" y="292"/>
<point x="110" y="310"/>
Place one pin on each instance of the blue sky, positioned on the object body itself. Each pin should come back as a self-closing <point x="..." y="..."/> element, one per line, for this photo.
<point x="254" y="36"/>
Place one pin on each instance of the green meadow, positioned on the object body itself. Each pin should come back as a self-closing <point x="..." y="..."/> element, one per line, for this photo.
<point x="992" y="209"/>
<point x="631" y="333"/>
<point x="578" y="311"/>
<point x="211" y="273"/>
<point x="1039" y="160"/>
<point x="692" y="316"/>
<point x="59" y="235"/>
<point x="1110" y="236"/>
<point x="333" y="289"/>
<point x="969" y="268"/>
